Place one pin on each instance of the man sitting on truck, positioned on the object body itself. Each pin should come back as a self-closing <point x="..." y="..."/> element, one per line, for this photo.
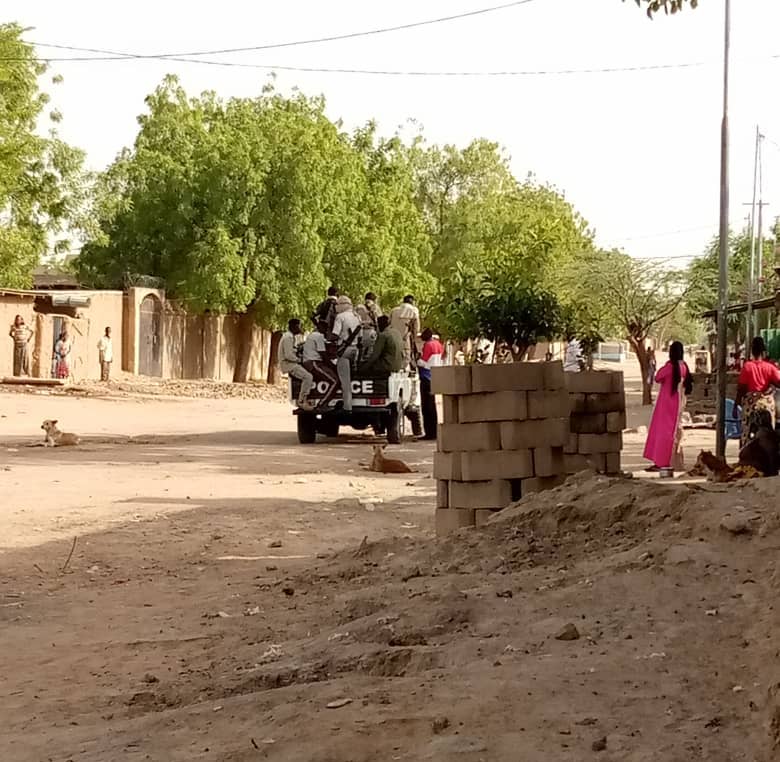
<point x="290" y="362"/>
<point x="387" y="355"/>
<point x="326" y="310"/>
<point x="317" y="362"/>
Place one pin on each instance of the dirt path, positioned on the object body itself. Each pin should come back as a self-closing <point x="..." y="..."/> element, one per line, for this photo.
<point x="218" y="599"/>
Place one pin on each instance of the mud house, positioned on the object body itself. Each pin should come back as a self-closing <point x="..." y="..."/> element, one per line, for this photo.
<point x="152" y="336"/>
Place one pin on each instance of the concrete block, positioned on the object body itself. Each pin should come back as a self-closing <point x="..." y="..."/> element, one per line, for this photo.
<point x="572" y="445"/>
<point x="523" y="435"/>
<point x="540" y="483"/>
<point x="612" y="465"/>
<point x="451" y="379"/>
<point x="616" y="422"/>
<point x="544" y="404"/>
<point x="554" y="376"/>
<point x="591" y="444"/>
<point x="577" y="403"/>
<point x="590" y="382"/>
<point x="548" y="461"/>
<point x="449" y="406"/>
<point x="618" y="384"/>
<point x="483" y="515"/>
<point x="492" y="494"/>
<point x="493" y="406"/>
<point x="468" y="437"/>
<point x="450" y="520"/>
<point x="589" y="423"/>
<point x="442" y="493"/>
<point x="507" y="377"/>
<point x="447" y="465"/>
<point x="605" y="403"/>
<point x="501" y="464"/>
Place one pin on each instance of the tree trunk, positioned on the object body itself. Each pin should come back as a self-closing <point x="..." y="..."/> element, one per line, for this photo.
<point x="274" y="374"/>
<point x="244" y="344"/>
<point x="640" y="348"/>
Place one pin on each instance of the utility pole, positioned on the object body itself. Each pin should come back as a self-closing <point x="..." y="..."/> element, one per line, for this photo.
<point x="723" y="259"/>
<point x="760" y="261"/>
<point x="752" y="276"/>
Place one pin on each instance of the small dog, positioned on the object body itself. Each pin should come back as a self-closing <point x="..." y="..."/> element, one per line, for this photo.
<point x="384" y="465"/>
<point x="56" y="438"/>
<point x="719" y="472"/>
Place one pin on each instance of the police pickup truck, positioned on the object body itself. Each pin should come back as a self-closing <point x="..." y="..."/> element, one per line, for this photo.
<point x="382" y="403"/>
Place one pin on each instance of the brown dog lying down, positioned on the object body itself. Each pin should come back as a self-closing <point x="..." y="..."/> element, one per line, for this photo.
<point x="759" y="457"/>
<point x="384" y="465"/>
<point x="56" y="438"/>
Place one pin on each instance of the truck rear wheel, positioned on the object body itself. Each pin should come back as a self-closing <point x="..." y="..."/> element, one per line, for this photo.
<point x="307" y="428"/>
<point x="394" y="424"/>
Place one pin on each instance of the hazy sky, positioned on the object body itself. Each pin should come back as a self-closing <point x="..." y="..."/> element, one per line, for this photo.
<point x="636" y="152"/>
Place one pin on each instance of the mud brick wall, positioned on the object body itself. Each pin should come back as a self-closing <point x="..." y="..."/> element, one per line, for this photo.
<point x="517" y="429"/>
<point x="598" y="416"/>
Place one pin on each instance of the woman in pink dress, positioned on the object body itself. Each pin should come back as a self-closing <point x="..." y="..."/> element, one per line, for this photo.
<point x="664" y="439"/>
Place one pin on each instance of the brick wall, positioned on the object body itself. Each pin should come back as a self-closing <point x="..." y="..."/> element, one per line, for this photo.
<point x="516" y="429"/>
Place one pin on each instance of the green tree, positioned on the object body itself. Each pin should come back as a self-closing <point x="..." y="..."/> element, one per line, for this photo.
<point x="668" y="6"/>
<point x="703" y="271"/>
<point x="255" y="206"/>
<point x="632" y="296"/>
<point x="511" y="314"/>
<point x="478" y="215"/>
<point x="41" y="185"/>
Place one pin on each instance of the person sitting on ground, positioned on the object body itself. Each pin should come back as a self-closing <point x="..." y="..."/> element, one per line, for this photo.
<point x="755" y="392"/>
<point x="387" y="356"/>
<point x="290" y="362"/>
<point x="326" y="310"/>
<point x="344" y="327"/>
<point x="317" y="362"/>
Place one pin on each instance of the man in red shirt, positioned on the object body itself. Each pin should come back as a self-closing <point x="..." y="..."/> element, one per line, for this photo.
<point x="432" y="356"/>
<point x="755" y="392"/>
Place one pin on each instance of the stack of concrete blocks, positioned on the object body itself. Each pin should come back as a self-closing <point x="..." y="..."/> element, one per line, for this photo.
<point x="598" y="416"/>
<point x="504" y="432"/>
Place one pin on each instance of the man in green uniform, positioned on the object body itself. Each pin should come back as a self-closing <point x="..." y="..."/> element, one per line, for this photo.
<point x="387" y="355"/>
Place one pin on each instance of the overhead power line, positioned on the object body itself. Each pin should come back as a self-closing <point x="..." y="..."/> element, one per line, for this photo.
<point x="297" y="43"/>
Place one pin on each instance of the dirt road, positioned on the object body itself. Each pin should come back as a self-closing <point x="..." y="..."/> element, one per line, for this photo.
<point x="219" y="605"/>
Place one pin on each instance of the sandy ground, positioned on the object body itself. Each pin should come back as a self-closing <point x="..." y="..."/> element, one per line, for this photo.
<point x="218" y="599"/>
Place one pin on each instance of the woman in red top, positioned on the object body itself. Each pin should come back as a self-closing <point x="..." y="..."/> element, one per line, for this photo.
<point x="755" y="392"/>
<point x="431" y="357"/>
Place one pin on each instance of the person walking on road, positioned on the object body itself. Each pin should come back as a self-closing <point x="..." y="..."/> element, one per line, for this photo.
<point x="664" y="440"/>
<point x="21" y="336"/>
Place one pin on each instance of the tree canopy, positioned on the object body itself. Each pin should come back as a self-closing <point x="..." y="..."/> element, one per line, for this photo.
<point x="668" y="6"/>
<point x="41" y="185"/>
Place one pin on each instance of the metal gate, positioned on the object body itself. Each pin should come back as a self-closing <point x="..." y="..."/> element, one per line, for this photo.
<point x="150" y="337"/>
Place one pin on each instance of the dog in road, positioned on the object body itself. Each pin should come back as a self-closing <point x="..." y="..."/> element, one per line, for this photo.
<point x="56" y="438"/>
<point x="384" y="465"/>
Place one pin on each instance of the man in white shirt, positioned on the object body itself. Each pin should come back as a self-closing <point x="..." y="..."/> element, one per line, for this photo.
<point x="405" y="318"/>
<point x="316" y="361"/>
<point x="344" y="326"/>
<point x="106" y="354"/>
<point x="290" y="363"/>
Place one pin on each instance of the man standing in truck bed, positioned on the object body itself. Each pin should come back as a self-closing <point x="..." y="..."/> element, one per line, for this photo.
<point x="405" y="319"/>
